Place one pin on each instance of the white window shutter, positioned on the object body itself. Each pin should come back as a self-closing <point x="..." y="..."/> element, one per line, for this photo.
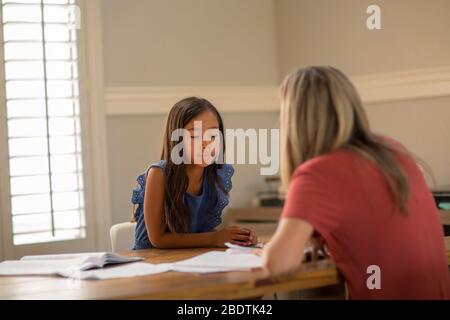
<point x="43" y="120"/>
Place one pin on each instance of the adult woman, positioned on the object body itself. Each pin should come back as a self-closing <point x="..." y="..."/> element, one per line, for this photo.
<point x="361" y="192"/>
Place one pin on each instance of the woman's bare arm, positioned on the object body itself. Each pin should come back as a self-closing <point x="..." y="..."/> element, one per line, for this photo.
<point x="284" y="252"/>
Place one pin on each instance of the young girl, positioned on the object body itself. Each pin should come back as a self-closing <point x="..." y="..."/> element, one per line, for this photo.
<point x="363" y="193"/>
<point x="180" y="205"/>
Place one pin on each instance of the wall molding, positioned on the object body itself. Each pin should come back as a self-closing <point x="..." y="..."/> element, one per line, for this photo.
<point x="373" y="88"/>
<point x="404" y="85"/>
<point x="159" y="100"/>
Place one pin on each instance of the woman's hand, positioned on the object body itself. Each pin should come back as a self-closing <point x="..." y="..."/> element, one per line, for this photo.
<point x="234" y="235"/>
<point x="258" y="252"/>
<point x="284" y="252"/>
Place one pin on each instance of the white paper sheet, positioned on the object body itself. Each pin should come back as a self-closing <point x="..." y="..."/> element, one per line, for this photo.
<point x="217" y="261"/>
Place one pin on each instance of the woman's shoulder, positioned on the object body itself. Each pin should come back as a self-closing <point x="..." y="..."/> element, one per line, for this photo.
<point x="335" y="163"/>
<point x="393" y="144"/>
<point x="326" y="160"/>
<point x="342" y="159"/>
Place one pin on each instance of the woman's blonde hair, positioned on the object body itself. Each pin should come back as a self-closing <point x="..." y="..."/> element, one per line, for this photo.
<point x="321" y="111"/>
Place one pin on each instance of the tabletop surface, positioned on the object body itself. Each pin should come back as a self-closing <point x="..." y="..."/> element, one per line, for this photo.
<point x="175" y="285"/>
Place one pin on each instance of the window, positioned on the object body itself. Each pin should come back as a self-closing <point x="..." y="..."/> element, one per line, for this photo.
<point x="43" y="120"/>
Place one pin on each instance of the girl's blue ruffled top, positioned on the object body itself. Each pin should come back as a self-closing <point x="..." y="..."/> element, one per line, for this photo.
<point x="205" y="209"/>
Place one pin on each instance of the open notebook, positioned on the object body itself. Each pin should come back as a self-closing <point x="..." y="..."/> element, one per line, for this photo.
<point x="62" y="264"/>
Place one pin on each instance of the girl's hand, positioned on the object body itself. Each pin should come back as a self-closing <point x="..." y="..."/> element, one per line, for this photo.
<point x="234" y="235"/>
<point x="253" y="237"/>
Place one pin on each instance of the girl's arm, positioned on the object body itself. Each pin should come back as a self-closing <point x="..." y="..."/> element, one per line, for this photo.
<point x="284" y="252"/>
<point x="153" y="208"/>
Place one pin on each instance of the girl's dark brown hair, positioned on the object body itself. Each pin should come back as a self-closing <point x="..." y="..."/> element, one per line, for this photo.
<point x="175" y="214"/>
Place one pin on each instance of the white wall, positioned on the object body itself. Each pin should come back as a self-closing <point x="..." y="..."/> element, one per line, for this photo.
<point x="178" y="42"/>
<point x="415" y="34"/>
<point x="423" y="126"/>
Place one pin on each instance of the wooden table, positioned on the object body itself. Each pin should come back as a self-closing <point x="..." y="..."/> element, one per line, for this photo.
<point x="174" y="285"/>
